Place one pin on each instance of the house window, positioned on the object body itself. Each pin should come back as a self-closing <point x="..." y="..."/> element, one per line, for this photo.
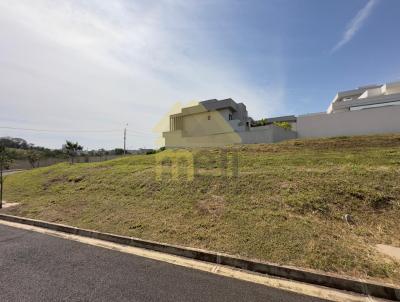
<point x="230" y="117"/>
<point x="209" y="117"/>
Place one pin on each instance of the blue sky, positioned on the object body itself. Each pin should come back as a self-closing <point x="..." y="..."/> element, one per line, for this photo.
<point x="69" y="66"/>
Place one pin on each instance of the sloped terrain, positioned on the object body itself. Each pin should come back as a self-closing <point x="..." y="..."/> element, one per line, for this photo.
<point x="282" y="203"/>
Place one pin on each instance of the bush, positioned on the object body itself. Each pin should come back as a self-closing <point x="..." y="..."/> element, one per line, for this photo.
<point x="284" y="125"/>
<point x="118" y="151"/>
<point x="259" y="123"/>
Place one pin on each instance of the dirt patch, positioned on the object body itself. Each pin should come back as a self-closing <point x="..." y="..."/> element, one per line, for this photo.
<point x="76" y="179"/>
<point x="53" y="180"/>
<point x="214" y="205"/>
<point x="389" y="250"/>
<point x="6" y="205"/>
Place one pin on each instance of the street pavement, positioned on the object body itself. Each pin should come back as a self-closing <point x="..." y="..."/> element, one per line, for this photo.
<point x="39" y="267"/>
<point x="9" y="172"/>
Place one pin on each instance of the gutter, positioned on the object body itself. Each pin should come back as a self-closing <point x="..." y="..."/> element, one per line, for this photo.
<point x="369" y="288"/>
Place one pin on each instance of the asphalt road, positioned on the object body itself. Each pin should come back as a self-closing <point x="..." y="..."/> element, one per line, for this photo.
<point x="39" y="267"/>
<point x="5" y="173"/>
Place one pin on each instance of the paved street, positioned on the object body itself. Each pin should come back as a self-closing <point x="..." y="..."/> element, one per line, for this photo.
<point x="5" y="173"/>
<point x="38" y="267"/>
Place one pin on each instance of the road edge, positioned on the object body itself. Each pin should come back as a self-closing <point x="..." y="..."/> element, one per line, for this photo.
<point x="375" y="289"/>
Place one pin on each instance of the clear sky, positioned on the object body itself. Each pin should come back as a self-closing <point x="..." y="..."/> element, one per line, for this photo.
<point x="71" y="66"/>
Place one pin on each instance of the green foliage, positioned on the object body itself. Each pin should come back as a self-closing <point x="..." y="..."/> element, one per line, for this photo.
<point x="155" y="151"/>
<point x="19" y="148"/>
<point x="33" y="157"/>
<point x="118" y="151"/>
<point x="284" y="125"/>
<point x="14" y="142"/>
<point x="260" y="123"/>
<point x="72" y="149"/>
<point x="5" y="157"/>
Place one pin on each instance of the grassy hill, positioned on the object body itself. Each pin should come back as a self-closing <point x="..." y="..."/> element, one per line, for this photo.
<point x="285" y="205"/>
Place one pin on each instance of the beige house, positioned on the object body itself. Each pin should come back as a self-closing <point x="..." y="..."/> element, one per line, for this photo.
<point x="371" y="109"/>
<point x="218" y="123"/>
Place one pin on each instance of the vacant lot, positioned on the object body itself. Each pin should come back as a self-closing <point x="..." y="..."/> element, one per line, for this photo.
<point x="285" y="204"/>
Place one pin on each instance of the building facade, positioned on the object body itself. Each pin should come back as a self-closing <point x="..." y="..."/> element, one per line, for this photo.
<point x="216" y="123"/>
<point x="373" y="109"/>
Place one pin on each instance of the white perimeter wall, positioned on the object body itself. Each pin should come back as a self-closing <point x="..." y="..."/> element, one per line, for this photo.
<point x="367" y="121"/>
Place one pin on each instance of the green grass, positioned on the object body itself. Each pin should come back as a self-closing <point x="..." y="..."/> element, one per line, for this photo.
<point x="285" y="205"/>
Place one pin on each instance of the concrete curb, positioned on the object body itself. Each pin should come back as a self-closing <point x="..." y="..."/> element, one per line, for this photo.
<point x="375" y="289"/>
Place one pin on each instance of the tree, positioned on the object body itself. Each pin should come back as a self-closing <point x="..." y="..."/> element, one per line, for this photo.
<point x="5" y="161"/>
<point x="13" y="142"/>
<point x="72" y="149"/>
<point x="118" y="151"/>
<point x="259" y="123"/>
<point x="33" y="157"/>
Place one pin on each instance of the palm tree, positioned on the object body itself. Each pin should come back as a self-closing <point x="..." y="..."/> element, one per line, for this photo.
<point x="72" y="149"/>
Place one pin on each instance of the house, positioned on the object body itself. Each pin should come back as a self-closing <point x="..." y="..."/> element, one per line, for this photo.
<point x="219" y="123"/>
<point x="366" y="97"/>
<point x="370" y="109"/>
<point x="210" y="117"/>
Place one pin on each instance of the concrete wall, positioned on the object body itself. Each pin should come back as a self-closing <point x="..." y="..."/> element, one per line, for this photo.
<point x="258" y="135"/>
<point x="281" y="134"/>
<point x="175" y="139"/>
<point x="367" y="121"/>
<point x="266" y="134"/>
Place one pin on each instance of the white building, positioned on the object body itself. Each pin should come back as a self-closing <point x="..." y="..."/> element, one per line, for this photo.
<point x="372" y="96"/>
<point x="371" y="109"/>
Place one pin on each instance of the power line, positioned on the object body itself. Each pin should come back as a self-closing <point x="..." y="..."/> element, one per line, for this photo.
<point x="75" y="131"/>
<point x="53" y="130"/>
<point x="140" y="134"/>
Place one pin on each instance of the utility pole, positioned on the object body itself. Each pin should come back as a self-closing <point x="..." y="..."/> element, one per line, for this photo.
<point x="125" y="139"/>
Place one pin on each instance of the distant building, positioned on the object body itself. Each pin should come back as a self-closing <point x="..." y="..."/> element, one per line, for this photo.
<point x="366" y="97"/>
<point x="371" y="109"/>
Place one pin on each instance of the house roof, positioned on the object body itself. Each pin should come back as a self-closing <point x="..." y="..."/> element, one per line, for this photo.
<point x="210" y="105"/>
<point x="215" y="104"/>
<point x="286" y="118"/>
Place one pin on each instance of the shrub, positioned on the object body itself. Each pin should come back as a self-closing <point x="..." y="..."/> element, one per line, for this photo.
<point x="284" y="125"/>
<point x="259" y="123"/>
